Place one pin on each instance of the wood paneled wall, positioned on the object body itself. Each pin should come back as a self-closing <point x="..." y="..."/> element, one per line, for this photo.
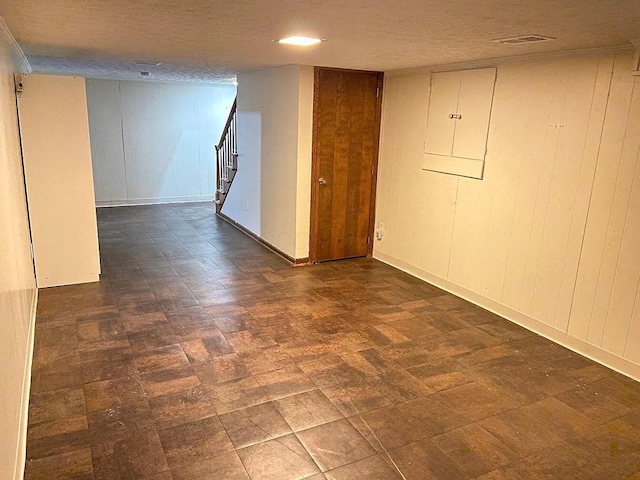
<point x="551" y="237"/>
<point x="18" y="293"/>
<point x="154" y="142"/>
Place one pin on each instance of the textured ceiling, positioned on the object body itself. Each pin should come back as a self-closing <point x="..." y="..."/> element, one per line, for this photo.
<point x="212" y="40"/>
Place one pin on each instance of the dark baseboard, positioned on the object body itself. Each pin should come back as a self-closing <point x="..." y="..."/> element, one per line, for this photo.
<point x="293" y="261"/>
<point x="301" y="261"/>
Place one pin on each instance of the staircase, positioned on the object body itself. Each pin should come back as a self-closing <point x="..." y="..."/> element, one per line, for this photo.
<point x="226" y="158"/>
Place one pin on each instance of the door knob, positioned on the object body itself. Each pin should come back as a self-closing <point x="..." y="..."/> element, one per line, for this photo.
<point x="322" y="181"/>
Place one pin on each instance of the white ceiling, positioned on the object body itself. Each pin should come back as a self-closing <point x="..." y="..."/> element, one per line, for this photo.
<point x="212" y="40"/>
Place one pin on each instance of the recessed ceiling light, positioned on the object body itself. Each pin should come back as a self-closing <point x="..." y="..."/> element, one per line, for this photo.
<point x="523" y="39"/>
<point x="300" y="41"/>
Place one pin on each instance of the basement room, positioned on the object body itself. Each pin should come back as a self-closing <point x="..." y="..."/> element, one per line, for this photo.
<point x="320" y="240"/>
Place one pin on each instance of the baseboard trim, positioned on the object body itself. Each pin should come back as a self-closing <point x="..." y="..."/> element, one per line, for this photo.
<point x="21" y="452"/>
<point x="595" y="353"/>
<point x="153" y="201"/>
<point x="293" y="261"/>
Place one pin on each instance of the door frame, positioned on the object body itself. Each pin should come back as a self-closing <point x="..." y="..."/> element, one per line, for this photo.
<point x="313" y="231"/>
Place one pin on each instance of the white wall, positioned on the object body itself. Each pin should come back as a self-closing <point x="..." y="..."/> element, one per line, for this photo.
<point x="154" y="142"/>
<point x="17" y="282"/>
<point x="270" y="194"/>
<point x="57" y="161"/>
<point x="550" y="238"/>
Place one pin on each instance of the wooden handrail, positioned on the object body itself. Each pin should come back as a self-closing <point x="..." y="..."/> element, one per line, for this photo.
<point x="232" y="116"/>
<point x="226" y="157"/>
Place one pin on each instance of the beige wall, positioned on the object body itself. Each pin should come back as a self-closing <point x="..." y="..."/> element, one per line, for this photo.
<point x="17" y="283"/>
<point x="57" y="158"/>
<point x="270" y="194"/>
<point x="305" y="130"/>
<point x="550" y="237"/>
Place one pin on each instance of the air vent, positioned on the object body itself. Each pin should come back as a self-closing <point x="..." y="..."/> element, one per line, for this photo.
<point x="147" y="63"/>
<point x="523" y="39"/>
<point x="145" y="74"/>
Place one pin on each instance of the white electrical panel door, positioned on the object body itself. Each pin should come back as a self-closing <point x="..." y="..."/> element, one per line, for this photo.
<point x="474" y="105"/>
<point x="458" y="122"/>
<point x="445" y="89"/>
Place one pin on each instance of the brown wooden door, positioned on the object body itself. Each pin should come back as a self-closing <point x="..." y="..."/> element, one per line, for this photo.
<point x="346" y="130"/>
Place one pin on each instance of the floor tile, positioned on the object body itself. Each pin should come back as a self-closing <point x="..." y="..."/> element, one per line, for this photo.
<point x="414" y="328"/>
<point x="519" y="431"/>
<point x="161" y="358"/>
<point x="44" y="379"/>
<point x="475" y="401"/>
<point x="335" y="444"/>
<point x="56" y="404"/>
<point x="255" y="424"/>
<point x="394" y="428"/>
<point x="360" y="397"/>
<point x="236" y="394"/>
<point x="141" y="323"/>
<point x="111" y="393"/>
<point x="109" y="368"/>
<point x="559" y="418"/>
<point x="422" y="460"/>
<point x="284" y="382"/>
<point x="266" y="359"/>
<point x="371" y="468"/>
<point x="171" y="380"/>
<point x="190" y="443"/>
<point x="214" y="344"/>
<point x="111" y="329"/>
<point x="307" y="410"/>
<point x="621" y="389"/>
<point x="283" y="458"/>
<point x="74" y="465"/>
<point x="138" y="455"/>
<point x="475" y="450"/>
<point x="329" y="370"/>
<point x="125" y="443"/>
<point x="436" y="415"/>
<point x="245" y="341"/>
<point x="221" y="369"/>
<point x="100" y="349"/>
<point x="231" y="323"/>
<point x="225" y="466"/>
<point x="54" y="437"/>
<point x="439" y="375"/>
<point x="160" y="336"/>
<point x="181" y="407"/>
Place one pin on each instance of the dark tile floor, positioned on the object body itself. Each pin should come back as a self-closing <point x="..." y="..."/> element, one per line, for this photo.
<point x="201" y="355"/>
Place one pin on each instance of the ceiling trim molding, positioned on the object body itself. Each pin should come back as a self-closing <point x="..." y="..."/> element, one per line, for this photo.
<point x="494" y="62"/>
<point x="20" y="61"/>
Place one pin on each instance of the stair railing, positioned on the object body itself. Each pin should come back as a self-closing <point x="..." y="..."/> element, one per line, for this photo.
<point x="226" y="157"/>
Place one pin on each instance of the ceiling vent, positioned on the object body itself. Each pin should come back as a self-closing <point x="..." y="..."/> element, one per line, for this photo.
<point x="147" y="63"/>
<point x="523" y="39"/>
<point x="145" y="74"/>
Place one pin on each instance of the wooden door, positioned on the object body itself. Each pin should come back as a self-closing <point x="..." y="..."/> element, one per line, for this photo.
<point x="346" y="130"/>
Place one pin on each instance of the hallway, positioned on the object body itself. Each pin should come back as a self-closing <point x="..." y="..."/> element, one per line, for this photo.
<point x="202" y="355"/>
